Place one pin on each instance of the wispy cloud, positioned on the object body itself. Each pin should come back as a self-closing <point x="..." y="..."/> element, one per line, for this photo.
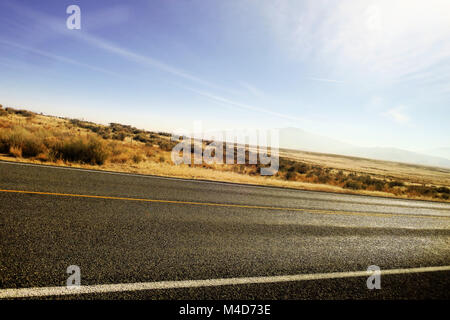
<point x="243" y="106"/>
<point x="252" y="89"/>
<point x="397" y="115"/>
<point x="54" y="25"/>
<point x="108" y="17"/>
<point x="57" y="57"/>
<point x="145" y="60"/>
<point x="387" y="39"/>
<point x="326" y="80"/>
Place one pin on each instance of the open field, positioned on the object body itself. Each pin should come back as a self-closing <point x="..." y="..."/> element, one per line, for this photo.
<point x="395" y="170"/>
<point x="29" y="137"/>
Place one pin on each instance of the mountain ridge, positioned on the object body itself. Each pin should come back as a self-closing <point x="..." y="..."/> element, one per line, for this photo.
<point x="302" y="140"/>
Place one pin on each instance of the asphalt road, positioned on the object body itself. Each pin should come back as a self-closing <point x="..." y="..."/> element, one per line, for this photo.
<point x="206" y="230"/>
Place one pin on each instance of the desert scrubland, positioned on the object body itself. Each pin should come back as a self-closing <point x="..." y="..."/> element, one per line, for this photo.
<point x="35" y="138"/>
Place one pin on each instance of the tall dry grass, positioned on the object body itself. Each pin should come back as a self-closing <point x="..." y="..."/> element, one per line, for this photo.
<point x="21" y="141"/>
<point x="89" y="149"/>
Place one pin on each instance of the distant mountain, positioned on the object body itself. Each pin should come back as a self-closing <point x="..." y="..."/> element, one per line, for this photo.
<point x="439" y="152"/>
<point x="399" y="155"/>
<point x="298" y="139"/>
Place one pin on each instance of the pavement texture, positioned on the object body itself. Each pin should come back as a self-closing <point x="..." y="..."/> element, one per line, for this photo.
<point x="120" y="241"/>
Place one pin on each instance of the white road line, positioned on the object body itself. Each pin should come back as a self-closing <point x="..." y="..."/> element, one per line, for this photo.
<point x="121" y="287"/>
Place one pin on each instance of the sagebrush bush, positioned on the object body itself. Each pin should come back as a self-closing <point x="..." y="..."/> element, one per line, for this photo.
<point x="85" y="150"/>
<point x="166" y="145"/>
<point x="396" y="184"/>
<point x="142" y="137"/>
<point x="137" y="158"/>
<point x="352" y="185"/>
<point x="443" y="190"/>
<point x="323" y="178"/>
<point x="120" y="135"/>
<point x="19" y="138"/>
<point x="290" y="175"/>
<point x="421" y="190"/>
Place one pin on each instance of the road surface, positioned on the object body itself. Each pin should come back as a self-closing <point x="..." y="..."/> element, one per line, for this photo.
<point x="145" y="237"/>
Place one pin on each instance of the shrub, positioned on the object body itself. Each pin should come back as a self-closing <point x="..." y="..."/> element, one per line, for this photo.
<point x="166" y="145"/>
<point x="352" y="185"/>
<point x="302" y="168"/>
<point x="15" y="151"/>
<point x="290" y="175"/>
<point x="85" y="150"/>
<point x="106" y="135"/>
<point x="323" y="178"/>
<point x="367" y="180"/>
<point x="396" y="184"/>
<point x="20" y="138"/>
<point x="421" y="190"/>
<point x="25" y="113"/>
<point x="379" y="185"/>
<point x="149" y="153"/>
<point x="75" y="122"/>
<point x="120" y="135"/>
<point x="4" y="146"/>
<point x="89" y="125"/>
<point x="443" y="190"/>
<point x="32" y="147"/>
<point x="120" y="158"/>
<point x="284" y="164"/>
<point x="137" y="158"/>
<point x="103" y="132"/>
<point x="142" y="137"/>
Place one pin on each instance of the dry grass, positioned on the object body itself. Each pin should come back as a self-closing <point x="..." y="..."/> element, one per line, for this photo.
<point x="29" y="137"/>
<point x="396" y="170"/>
<point x="15" y="151"/>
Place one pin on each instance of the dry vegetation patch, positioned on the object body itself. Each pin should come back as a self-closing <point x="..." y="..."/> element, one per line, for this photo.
<point x="31" y="137"/>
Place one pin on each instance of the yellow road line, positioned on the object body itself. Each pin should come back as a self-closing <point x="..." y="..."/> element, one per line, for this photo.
<point x="335" y="212"/>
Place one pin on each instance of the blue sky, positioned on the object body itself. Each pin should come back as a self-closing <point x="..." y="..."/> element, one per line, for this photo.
<point x="371" y="73"/>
